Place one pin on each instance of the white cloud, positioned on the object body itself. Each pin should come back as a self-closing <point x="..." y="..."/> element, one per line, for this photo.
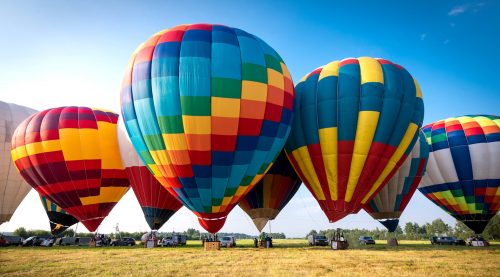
<point x="464" y="8"/>
<point x="423" y="36"/>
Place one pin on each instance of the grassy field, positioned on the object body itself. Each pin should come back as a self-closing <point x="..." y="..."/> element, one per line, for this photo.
<point x="288" y="258"/>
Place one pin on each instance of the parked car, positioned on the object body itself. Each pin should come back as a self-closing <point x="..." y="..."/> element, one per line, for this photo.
<point x="11" y="240"/>
<point x="123" y="242"/>
<point x="83" y="241"/>
<point x="34" y="240"/>
<point x="173" y="240"/>
<point x="69" y="241"/>
<point x="48" y="242"/>
<point x="447" y="241"/>
<point x="366" y="240"/>
<point x="477" y="241"/>
<point x="317" y="240"/>
<point x="228" y="241"/>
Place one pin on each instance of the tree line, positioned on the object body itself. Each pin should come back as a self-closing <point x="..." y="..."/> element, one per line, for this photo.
<point x="414" y="231"/>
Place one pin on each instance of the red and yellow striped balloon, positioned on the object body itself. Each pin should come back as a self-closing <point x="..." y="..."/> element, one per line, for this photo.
<point x="70" y="155"/>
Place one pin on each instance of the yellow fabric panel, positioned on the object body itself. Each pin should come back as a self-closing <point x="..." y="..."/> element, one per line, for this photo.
<point x="90" y="143"/>
<point x="328" y="143"/>
<point x="175" y="141"/>
<point x="226" y="201"/>
<point x="107" y="195"/>
<point x="225" y="107"/>
<point x="417" y="87"/>
<point x="285" y="71"/>
<point x="275" y="79"/>
<point x="485" y="122"/>
<point x="240" y="191"/>
<point x="18" y="153"/>
<point x="403" y="145"/>
<point x="70" y="144"/>
<point x="371" y="70"/>
<point x="43" y="146"/>
<point x="461" y="119"/>
<point x="154" y="168"/>
<point x="108" y="141"/>
<point x="304" y="161"/>
<point x="201" y="125"/>
<point x="215" y="209"/>
<point x="365" y="131"/>
<point x="251" y="90"/>
<point x="161" y="157"/>
<point x="331" y="69"/>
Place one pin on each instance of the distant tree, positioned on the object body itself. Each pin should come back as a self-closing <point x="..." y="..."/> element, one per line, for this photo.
<point x="193" y="234"/>
<point x="492" y="230"/>
<point x="462" y="231"/>
<point x="312" y="232"/>
<point x="68" y="233"/>
<point x="21" y="231"/>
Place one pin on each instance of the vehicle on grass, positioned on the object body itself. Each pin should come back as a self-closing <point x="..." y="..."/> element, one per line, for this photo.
<point x="365" y="240"/>
<point x="228" y="241"/>
<point x="317" y="240"/>
<point x="447" y="241"/>
<point x="11" y="240"/>
<point x="477" y="241"/>
<point x="34" y="240"/>
<point x="123" y="242"/>
<point x="69" y="241"/>
<point x="173" y="240"/>
<point x="83" y="241"/>
<point x="48" y="242"/>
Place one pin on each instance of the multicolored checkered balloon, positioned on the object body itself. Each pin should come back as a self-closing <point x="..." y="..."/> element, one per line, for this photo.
<point x="208" y="108"/>
<point x="355" y="122"/>
<point x="70" y="155"/>
<point x="463" y="172"/>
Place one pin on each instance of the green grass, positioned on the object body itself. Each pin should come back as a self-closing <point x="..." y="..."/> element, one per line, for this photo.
<point x="288" y="258"/>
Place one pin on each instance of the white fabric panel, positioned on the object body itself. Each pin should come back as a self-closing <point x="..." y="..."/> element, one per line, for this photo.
<point x="13" y="188"/>
<point x="485" y="159"/>
<point x="128" y="154"/>
<point x="445" y="165"/>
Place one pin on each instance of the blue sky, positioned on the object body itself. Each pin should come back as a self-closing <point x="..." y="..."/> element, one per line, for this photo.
<point x="57" y="53"/>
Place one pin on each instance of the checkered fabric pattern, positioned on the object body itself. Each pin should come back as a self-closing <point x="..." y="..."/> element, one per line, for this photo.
<point x="208" y="108"/>
<point x="463" y="173"/>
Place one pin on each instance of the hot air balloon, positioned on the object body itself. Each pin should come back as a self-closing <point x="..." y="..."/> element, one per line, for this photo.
<point x="355" y="122"/>
<point x="463" y="172"/>
<point x="390" y="202"/>
<point x="157" y="204"/>
<point x="13" y="188"/>
<point x="208" y="108"/>
<point x="70" y="155"/>
<point x="272" y="193"/>
<point x="59" y="219"/>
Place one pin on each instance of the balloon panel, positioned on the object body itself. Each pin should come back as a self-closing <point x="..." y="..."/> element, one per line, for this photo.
<point x="70" y="155"/>
<point x="208" y="109"/>
<point x="13" y="188"/>
<point x="355" y="123"/>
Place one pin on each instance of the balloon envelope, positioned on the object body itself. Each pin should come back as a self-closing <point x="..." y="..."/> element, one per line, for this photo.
<point x="463" y="172"/>
<point x="272" y="193"/>
<point x="59" y="219"/>
<point x="157" y="204"/>
<point x="70" y="155"/>
<point x="13" y="188"/>
<point x="208" y="108"/>
<point x="390" y="202"/>
<point x="355" y="123"/>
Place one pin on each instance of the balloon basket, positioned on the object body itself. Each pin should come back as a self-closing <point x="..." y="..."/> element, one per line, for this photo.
<point x="339" y="245"/>
<point x="392" y="242"/>
<point x="211" y="245"/>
